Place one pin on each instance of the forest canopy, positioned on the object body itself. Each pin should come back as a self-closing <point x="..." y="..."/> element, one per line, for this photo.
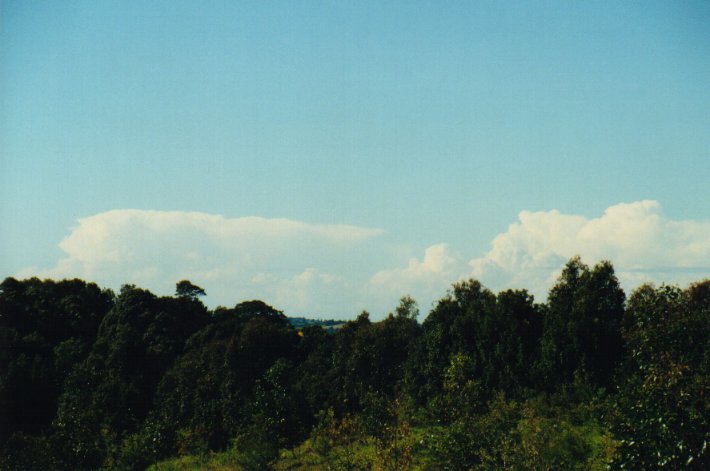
<point x="589" y="379"/>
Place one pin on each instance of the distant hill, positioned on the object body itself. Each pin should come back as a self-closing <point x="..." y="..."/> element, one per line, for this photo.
<point x="301" y="322"/>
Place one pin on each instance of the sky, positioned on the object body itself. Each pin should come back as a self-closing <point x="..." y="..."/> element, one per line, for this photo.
<point x="332" y="156"/>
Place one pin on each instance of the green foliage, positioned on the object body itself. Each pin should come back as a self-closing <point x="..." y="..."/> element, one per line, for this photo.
<point x="338" y="442"/>
<point x="392" y="436"/>
<point x="449" y="329"/>
<point x="463" y="395"/>
<point x="91" y="380"/>
<point x="327" y="324"/>
<point x="255" y="449"/>
<point x="226" y="380"/>
<point x="512" y="435"/>
<point x="273" y="410"/>
<point x="315" y="376"/>
<point x="553" y="443"/>
<point x="185" y="289"/>
<point x="470" y="439"/>
<point x="498" y="335"/>
<point x="46" y="327"/>
<point x="360" y="358"/>
<point x="582" y="325"/>
<point x="140" y="329"/>
<point x="407" y="308"/>
<point x="663" y="409"/>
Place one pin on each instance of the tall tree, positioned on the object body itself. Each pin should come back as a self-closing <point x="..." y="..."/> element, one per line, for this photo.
<point x="663" y="412"/>
<point x="109" y="394"/>
<point x="46" y="327"/>
<point x="203" y="399"/>
<point x="449" y="329"/>
<point x="582" y="324"/>
<point x="508" y="342"/>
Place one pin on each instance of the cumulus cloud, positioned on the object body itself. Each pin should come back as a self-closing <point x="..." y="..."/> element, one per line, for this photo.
<point x="327" y="270"/>
<point x="426" y="279"/>
<point x="283" y="260"/>
<point x="643" y="245"/>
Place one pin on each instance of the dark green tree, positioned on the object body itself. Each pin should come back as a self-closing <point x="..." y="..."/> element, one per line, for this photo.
<point x="204" y="400"/>
<point x="663" y="406"/>
<point x="186" y="289"/>
<point x="315" y="373"/>
<point x="109" y="395"/>
<point x="407" y="308"/>
<point x="508" y="342"/>
<point x="46" y="327"/>
<point x="582" y="325"/>
<point x="449" y="329"/>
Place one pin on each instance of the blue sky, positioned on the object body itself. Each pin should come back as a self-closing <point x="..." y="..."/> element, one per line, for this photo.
<point x="445" y="137"/>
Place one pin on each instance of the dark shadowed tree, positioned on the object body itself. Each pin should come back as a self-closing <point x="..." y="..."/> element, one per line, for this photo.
<point x="507" y="342"/>
<point x="663" y="406"/>
<point x="46" y="327"/>
<point x="186" y="289"/>
<point x="206" y="398"/>
<point x="109" y="395"/>
<point x="449" y="329"/>
<point x="582" y="325"/>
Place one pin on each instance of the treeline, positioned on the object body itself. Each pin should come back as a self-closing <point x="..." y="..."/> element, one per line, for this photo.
<point x="591" y="379"/>
<point x="302" y="322"/>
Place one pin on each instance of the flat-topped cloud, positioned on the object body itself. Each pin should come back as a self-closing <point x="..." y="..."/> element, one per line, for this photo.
<point x="230" y="256"/>
<point x="337" y="270"/>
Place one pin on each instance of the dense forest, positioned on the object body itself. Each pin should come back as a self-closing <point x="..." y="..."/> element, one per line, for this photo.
<point x="589" y="379"/>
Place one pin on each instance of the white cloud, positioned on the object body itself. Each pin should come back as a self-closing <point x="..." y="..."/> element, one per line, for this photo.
<point x="233" y="258"/>
<point x="425" y="279"/>
<point x="305" y="291"/>
<point x="641" y="243"/>
<point x="327" y="270"/>
<point x="438" y="261"/>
